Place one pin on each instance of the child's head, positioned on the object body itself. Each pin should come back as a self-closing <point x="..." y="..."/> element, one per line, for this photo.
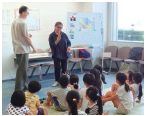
<point x="121" y="80"/>
<point x="114" y="87"/>
<point x="88" y="79"/>
<point x="74" y="80"/>
<point x="92" y="94"/>
<point x="137" y="78"/>
<point x="129" y="76"/>
<point x="18" y="98"/>
<point x="64" y="81"/>
<point x="34" y="86"/>
<point x="73" y="99"/>
<point x="99" y="67"/>
<point x="96" y="74"/>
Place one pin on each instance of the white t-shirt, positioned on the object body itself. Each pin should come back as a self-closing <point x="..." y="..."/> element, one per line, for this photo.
<point x="136" y="89"/>
<point x="102" y="84"/>
<point x="84" y="100"/>
<point x="126" y="98"/>
<point x="60" y="94"/>
<point x="19" y="32"/>
<point x="12" y="110"/>
<point x="72" y="87"/>
<point x="79" y="113"/>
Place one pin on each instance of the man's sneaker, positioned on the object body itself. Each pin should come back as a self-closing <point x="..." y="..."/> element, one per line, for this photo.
<point x="55" y="84"/>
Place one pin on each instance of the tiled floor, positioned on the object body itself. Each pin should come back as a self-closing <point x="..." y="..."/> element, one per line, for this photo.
<point x="8" y="87"/>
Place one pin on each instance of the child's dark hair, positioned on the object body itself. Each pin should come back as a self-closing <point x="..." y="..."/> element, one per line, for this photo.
<point x="73" y="98"/>
<point x="97" y="82"/>
<point x="34" y="86"/>
<point x="89" y="78"/>
<point x="64" y="81"/>
<point x="137" y="77"/>
<point x="98" y="67"/>
<point x="18" y="98"/>
<point x="130" y="76"/>
<point x="121" y="77"/>
<point x="74" y="80"/>
<point x="93" y="94"/>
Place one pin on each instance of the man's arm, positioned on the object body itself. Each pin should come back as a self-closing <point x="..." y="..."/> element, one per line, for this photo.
<point x="27" y="36"/>
<point x="30" y="43"/>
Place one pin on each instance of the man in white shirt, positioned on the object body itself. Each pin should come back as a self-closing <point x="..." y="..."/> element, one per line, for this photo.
<point x="21" y="46"/>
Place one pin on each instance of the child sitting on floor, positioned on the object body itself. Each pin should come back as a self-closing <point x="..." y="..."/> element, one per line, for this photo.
<point x="102" y="77"/>
<point x="17" y="105"/>
<point x="57" y="97"/>
<point x="114" y="87"/>
<point x="73" y="100"/>
<point x="129" y="75"/>
<point x="136" y="87"/>
<point x="88" y="80"/>
<point x="74" y="82"/>
<point x="97" y="82"/>
<point x="32" y="100"/>
<point x="95" y="102"/>
<point x="123" y="99"/>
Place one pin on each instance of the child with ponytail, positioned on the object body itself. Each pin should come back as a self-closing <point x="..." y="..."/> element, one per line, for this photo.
<point x="74" y="82"/>
<point x="129" y="75"/>
<point x="73" y="100"/>
<point x="122" y="99"/>
<point x="95" y="102"/>
<point x="97" y="82"/>
<point x="136" y="87"/>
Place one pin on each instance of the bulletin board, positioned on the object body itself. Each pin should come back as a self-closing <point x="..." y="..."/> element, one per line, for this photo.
<point x="85" y="28"/>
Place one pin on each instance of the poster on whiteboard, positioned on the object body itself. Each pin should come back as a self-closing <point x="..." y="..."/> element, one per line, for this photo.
<point x="84" y="28"/>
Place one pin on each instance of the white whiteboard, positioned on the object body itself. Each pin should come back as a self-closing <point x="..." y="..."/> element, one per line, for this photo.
<point x="85" y="28"/>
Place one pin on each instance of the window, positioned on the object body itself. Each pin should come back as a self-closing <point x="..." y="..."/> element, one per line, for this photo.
<point x="130" y="21"/>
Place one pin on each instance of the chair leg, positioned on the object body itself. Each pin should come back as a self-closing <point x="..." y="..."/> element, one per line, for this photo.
<point x="84" y="64"/>
<point x="32" y="72"/>
<point x="105" y="63"/>
<point x="68" y="68"/>
<point x="110" y="66"/>
<point x="46" y="71"/>
<point x="40" y="72"/>
<point x="117" y="65"/>
<point x="91" y="63"/>
<point x="81" y="67"/>
<point x="73" y="67"/>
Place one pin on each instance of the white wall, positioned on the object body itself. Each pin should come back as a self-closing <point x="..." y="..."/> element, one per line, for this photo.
<point x="49" y="14"/>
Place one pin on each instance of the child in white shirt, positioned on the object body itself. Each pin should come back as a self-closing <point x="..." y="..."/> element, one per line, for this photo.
<point x="74" y="82"/>
<point x="136" y="87"/>
<point x="88" y="80"/>
<point x="123" y="99"/>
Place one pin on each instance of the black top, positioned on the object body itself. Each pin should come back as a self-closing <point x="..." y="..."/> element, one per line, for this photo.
<point x="59" y="50"/>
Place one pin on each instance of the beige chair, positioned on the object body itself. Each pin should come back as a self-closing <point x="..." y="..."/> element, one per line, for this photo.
<point x="74" y="59"/>
<point x="123" y="53"/>
<point x="112" y="50"/>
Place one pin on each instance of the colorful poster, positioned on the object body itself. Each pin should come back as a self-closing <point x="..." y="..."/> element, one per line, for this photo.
<point x="87" y="24"/>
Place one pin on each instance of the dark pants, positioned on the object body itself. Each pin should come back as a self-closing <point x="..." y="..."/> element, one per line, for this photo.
<point x="58" y="64"/>
<point x="21" y="74"/>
